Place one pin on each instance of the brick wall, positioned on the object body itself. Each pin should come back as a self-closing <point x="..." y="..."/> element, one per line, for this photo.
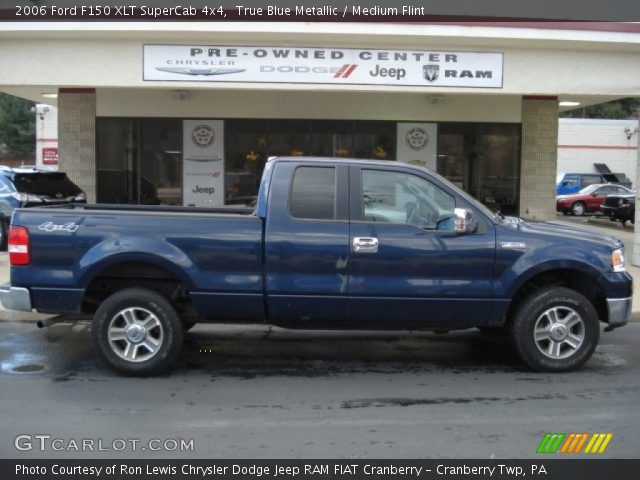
<point x="539" y="158"/>
<point x="77" y="141"/>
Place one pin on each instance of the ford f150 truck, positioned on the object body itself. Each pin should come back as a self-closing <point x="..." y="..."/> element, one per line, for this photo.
<point x="331" y="244"/>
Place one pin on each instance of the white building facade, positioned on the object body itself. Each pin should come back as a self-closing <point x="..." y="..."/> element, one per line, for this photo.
<point x="583" y="142"/>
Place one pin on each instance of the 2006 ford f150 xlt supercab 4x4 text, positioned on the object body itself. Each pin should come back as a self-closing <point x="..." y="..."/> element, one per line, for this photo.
<point x="332" y="244"/>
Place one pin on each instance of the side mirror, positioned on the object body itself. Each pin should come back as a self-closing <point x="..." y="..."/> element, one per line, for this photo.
<point x="464" y="221"/>
<point x="565" y="183"/>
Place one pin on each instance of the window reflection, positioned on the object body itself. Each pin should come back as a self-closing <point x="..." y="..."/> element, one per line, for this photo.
<point x="484" y="160"/>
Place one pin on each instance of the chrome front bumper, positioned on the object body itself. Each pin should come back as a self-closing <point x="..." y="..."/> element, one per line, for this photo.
<point x="15" y="298"/>
<point x="619" y="310"/>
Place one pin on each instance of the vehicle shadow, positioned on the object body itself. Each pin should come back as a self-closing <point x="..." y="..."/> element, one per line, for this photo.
<point x="265" y="352"/>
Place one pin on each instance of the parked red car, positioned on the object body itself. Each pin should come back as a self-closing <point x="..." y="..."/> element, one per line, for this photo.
<point x="589" y="199"/>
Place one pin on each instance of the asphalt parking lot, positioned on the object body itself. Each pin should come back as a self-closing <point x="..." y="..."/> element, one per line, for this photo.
<point x="252" y="391"/>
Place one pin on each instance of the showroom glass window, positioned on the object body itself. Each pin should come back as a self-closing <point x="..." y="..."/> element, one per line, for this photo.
<point x="139" y="161"/>
<point x="249" y="143"/>
<point x="484" y="160"/>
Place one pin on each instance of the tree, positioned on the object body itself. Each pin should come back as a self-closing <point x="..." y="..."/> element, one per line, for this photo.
<point x="17" y="125"/>
<point x="626" y="108"/>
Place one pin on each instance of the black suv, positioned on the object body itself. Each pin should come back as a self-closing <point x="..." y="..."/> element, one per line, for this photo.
<point x="30" y="187"/>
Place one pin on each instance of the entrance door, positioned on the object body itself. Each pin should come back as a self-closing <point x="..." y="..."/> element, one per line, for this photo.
<point x="407" y="267"/>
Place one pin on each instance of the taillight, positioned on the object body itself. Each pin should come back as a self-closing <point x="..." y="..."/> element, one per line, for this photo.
<point x="19" y="250"/>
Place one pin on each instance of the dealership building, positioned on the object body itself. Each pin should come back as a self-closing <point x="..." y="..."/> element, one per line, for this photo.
<point x="188" y="113"/>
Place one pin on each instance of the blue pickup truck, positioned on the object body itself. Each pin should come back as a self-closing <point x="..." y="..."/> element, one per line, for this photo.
<point x="331" y="244"/>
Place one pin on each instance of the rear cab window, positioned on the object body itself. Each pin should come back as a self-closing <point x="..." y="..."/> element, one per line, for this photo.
<point x="313" y="193"/>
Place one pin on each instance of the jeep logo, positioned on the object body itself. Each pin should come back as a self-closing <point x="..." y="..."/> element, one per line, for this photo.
<point x="207" y="190"/>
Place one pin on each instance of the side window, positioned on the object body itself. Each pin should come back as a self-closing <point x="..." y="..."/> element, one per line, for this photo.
<point x="606" y="191"/>
<point x="395" y="197"/>
<point x="3" y="186"/>
<point x="570" y="180"/>
<point x="313" y="193"/>
<point x="590" y="180"/>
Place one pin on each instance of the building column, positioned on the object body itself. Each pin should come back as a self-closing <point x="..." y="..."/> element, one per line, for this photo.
<point x="539" y="158"/>
<point x="77" y="137"/>
<point x="635" y="260"/>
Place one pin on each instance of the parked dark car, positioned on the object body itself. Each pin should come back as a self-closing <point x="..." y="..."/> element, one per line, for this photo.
<point x="620" y="208"/>
<point x="29" y="187"/>
<point x="589" y="199"/>
<point x="332" y="244"/>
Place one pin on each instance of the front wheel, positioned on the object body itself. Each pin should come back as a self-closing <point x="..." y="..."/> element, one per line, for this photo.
<point x="137" y="332"/>
<point x="555" y="330"/>
<point x="578" y="209"/>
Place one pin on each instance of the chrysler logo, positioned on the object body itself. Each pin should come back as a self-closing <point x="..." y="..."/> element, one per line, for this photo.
<point x="201" y="71"/>
<point x="203" y="136"/>
<point x="417" y="138"/>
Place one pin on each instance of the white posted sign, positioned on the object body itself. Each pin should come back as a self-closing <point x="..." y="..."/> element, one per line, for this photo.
<point x="340" y="66"/>
<point x="203" y="163"/>
<point x="417" y="143"/>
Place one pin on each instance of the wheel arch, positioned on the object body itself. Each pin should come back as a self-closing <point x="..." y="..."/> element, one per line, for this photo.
<point x="118" y="272"/>
<point x="579" y="277"/>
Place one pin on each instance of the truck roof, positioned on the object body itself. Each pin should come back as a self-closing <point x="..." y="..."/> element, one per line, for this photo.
<point x="359" y="161"/>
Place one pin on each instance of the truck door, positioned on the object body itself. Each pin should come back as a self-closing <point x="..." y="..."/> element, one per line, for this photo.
<point x="408" y="268"/>
<point x="307" y="245"/>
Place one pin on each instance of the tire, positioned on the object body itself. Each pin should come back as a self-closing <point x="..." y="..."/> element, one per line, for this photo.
<point x="578" y="209"/>
<point x="537" y="311"/>
<point x="163" y="332"/>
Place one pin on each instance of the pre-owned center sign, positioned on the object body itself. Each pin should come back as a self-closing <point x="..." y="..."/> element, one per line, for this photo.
<point x="350" y="66"/>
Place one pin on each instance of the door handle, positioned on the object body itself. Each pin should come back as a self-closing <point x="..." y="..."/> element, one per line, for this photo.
<point x="365" y="245"/>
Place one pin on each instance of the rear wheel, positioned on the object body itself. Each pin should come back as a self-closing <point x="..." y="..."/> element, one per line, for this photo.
<point x="578" y="209"/>
<point x="137" y="332"/>
<point x="555" y="330"/>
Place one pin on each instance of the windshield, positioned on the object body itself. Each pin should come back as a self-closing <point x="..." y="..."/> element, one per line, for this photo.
<point x="51" y="184"/>
<point x="491" y="214"/>
<point x="589" y="189"/>
<point x="559" y="178"/>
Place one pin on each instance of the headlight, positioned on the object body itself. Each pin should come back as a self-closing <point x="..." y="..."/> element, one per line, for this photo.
<point x="617" y="260"/>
